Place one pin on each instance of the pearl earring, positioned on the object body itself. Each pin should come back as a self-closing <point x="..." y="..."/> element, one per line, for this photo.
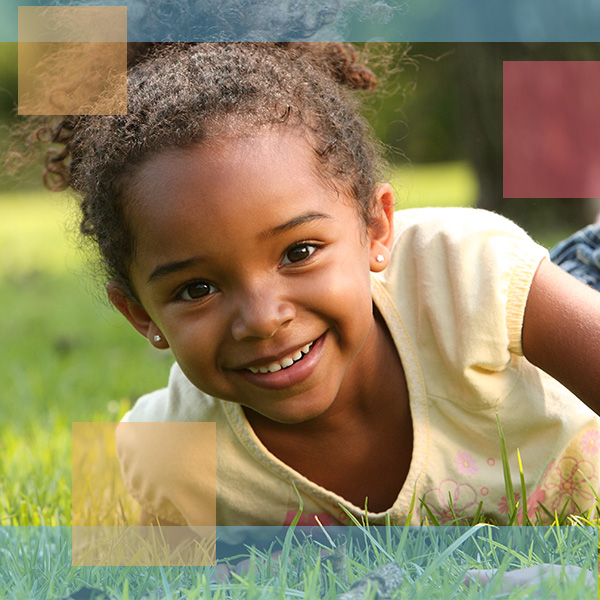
<point x="379" y="258"/>
<point x="157" y="338"/>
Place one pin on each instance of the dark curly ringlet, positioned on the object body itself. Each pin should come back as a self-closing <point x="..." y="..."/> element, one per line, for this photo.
<point x="183" y="94"/>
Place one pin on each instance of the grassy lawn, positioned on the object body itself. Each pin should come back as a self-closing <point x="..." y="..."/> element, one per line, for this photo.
<point x="451" y="184"/>
<point x="68" y="357"/>
<point x="429" y="563"/>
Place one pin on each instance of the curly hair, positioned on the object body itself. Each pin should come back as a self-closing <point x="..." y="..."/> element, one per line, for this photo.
<point x="181" y="94"/>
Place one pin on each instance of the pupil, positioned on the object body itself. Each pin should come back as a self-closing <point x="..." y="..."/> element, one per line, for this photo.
<point x="297" y="254"/>
<point x="197" y="290"/>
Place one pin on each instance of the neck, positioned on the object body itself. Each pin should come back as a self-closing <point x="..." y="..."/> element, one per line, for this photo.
<point x="371" y="410"/>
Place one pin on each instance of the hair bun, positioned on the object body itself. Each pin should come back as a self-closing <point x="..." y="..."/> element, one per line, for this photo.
<point x="341" y="61"/>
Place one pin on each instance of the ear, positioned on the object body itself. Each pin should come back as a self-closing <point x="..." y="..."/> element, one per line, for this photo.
<point x="135" y="313"/>
<point x="381" y="228"/>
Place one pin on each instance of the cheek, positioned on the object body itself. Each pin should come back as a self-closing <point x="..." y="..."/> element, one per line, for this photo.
<point x="198" y="363"/>
<point x="195" y="341"/>
<point x="345" y="294"/>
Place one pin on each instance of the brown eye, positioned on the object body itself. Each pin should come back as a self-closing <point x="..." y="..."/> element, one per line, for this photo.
<point x="298" y="253"/>
<point x="196" y="290"/>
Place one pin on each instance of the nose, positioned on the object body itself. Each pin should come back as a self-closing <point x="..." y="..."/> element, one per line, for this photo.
<point x="261" y="315"/>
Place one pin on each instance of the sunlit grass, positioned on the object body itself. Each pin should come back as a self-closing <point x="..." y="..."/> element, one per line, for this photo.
<point x="448" y="184"/>
<point x="432" y="561"/>
<point x="35" y="485"/>
<point x="33" y="233"/>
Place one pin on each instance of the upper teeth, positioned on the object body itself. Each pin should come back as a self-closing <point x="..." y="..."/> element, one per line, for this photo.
<point x="288" y="361"/>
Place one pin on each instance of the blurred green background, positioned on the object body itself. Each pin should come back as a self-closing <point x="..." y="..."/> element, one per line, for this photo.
<point x="66" y="356"/>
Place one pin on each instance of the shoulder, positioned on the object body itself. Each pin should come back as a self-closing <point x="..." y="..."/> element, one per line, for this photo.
<point x="459" y="279"/>
<point x="455" y="224"/>
<point x="461" y="246"/>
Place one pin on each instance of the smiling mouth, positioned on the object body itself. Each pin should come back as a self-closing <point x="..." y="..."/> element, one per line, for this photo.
<point x="285" y="362"/>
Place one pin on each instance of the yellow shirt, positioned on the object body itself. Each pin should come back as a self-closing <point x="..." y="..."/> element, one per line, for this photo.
<point x="453" y="298"/>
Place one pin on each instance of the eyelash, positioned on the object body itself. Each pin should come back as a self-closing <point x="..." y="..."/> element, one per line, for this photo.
<point x="314" y="247"/>
<point x="179" y="295"/>
<point x="182" y="290"/>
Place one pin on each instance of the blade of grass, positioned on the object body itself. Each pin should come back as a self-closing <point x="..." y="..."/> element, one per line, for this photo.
<point x="525" y="519"/>
<point x="440" y="558"/>
<point x="510" y="493"/>
<point x="433" y="518"/>
<point x="367" y="533"/>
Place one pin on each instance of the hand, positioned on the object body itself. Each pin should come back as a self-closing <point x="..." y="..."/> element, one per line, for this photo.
<point x="530" y="576"/>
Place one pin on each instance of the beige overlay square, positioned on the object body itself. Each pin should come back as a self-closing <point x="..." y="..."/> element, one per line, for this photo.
<point x="106" y="525"/>
<point x="72" y="60"/>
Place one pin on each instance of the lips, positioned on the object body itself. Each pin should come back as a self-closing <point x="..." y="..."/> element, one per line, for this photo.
<point x="274" y="375"/>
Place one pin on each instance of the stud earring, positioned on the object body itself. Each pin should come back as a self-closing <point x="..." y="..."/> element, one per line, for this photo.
<point x="157" y="338"/>
<point x="379" y="258"/>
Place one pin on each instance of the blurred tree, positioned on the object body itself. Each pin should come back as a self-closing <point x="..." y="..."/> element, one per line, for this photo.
<point x="449" y="107"/>
<point x="480" y="113"/>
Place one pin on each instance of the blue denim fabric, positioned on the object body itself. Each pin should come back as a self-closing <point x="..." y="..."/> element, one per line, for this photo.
<point x="580" y="255"/>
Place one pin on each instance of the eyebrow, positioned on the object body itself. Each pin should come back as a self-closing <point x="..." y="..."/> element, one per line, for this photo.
<point x="295" y="222"/>
<point x="168" y="268"/>
<point x="180" y="265"/>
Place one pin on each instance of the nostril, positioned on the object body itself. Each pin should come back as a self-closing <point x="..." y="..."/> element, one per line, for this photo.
<point x="261" y="320"/>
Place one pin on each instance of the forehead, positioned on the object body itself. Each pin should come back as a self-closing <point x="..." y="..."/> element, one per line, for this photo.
<point x="265" y="178"/>
<point x="225" y="166"/>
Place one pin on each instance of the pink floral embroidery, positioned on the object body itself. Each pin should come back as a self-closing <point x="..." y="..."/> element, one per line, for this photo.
<point x="590" y="442"/>
<point x="463" y="497"/>
<point x="536" y="497"/>
<point x="503" y="504"/>
<point x="309" y="520"/>
<point x="466" y="464"/>
<point x="567" y="481"/>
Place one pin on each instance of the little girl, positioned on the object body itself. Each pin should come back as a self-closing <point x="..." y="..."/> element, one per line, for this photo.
<point x="352" y="359"/>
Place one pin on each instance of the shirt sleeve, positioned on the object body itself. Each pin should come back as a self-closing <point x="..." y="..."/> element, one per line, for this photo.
<point x="460" y="280"/>
<point x="170" y="469"/>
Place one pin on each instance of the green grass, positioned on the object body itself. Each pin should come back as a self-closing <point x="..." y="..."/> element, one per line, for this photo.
<point x="36" y="565"/>
<point x="450" y="184"/>
<point x="68" y="357"/>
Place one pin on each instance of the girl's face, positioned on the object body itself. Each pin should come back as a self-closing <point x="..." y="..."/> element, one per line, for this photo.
<point x="256" y="274"/>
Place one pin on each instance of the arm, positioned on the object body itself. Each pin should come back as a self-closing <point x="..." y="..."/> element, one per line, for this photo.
<point x="561" y="331"/>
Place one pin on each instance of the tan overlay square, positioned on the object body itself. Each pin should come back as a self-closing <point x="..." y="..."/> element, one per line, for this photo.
<point x="72" y="60"/>
<point x="107" y="530"/>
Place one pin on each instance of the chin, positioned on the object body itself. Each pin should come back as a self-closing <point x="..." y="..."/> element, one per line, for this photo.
<point x="293" y="420"/>
<point x="293" y="417"/>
